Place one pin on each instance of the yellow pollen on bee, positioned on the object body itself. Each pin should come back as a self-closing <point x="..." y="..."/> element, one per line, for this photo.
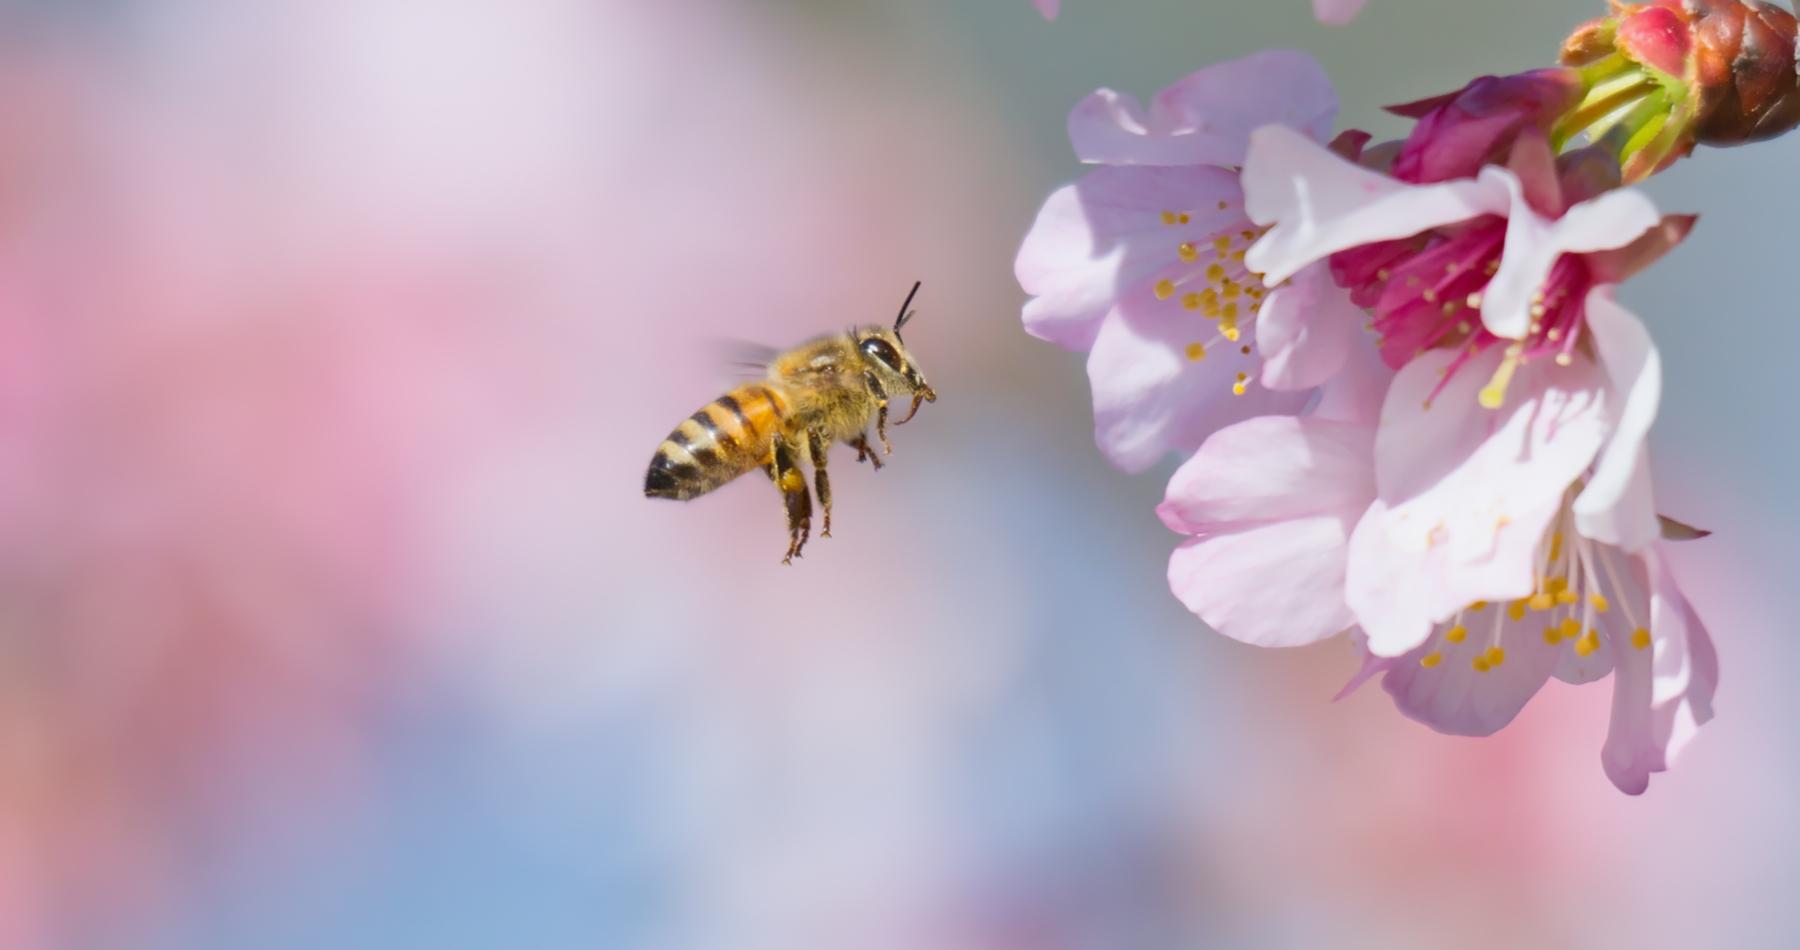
<point x="1457" y="634"/>
<point x="1588" y="644"/>
<point x="1431" y="659"/>
<point x="1640" y="638"/>
<point x="1168" y="217"/>
<point x="1165" y="289"/>
<point x="1187" y="252"/>
<point x="1494" y="656"/>
<point x="1215" y="272"/>
<point x="1516" y="610"/>
<point x="1493" y="396"/>
<point x="1542" y="601"/>
<point x="1190" y="300"/>
<point x="1599" y="602"/>
<point x="1196" y="351"/>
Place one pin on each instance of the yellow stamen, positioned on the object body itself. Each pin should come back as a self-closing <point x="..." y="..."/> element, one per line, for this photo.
<point x="1430" y="660"/>
<point x="1187" y="252"/>
<point x="1493" y="396"/>
<point x="1571" y="628"/>
<point x="1191" y="301"/>
<point x="1495" y="656"/>
<point x="1168" y="217"/>
<point x="1516" y="610"/>
<point x="1165" y="289"/>
<point x="1542" y="601"/>
<point x="1196" y="351"/>
<point x="1553" y="635"/>
<point x="1588" y="643"/>
<point x="1599" y="602"/>
<point x="1640" y="638"/>
<point x="1480" y="664"/>
<point x="1478" y="605"/>
<point x="1457" y="634"/>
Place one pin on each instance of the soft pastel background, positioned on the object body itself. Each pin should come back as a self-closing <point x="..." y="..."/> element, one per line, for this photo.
<point x="335" y="336"/>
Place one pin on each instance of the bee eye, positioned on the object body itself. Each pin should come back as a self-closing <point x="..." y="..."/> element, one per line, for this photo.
<point x="879" y="350"/>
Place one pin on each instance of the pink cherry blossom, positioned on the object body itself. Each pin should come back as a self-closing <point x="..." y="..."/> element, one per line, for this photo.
<point x="1337" y="12"/>
<point x="1269" y="504"/>
<point x="1272" y="559"/>
<point x="1141" y="262"/>
<point x="1521" y="246"/>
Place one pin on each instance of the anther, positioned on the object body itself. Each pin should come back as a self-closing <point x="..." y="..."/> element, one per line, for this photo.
<point x="1431" y="659"/>
<point x="1187" y="252"/>
<point x="1599" y="602"/>
<point x="1457" y="634"/>
<point x="1165" y="289"/>
<point x="1494" y="395"/>
<point x="1640" y="638"/>
<point x="1196" y="351"/>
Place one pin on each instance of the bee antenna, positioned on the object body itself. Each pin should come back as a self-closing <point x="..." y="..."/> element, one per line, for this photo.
<point x="906" y="314"/>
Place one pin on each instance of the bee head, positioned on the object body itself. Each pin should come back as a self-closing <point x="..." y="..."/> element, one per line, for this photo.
<point x="886" y="356"/>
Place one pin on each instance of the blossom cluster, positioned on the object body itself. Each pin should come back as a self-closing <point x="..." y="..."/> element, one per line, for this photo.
<point x="1411" y="407"/>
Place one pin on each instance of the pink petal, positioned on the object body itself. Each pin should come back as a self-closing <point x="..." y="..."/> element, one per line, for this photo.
<point x="1663" y="695"/>
<point x="1275" y="585"/>
<point x="1206" y="118"/>
<point x="1534" y="243"/>
<point x="1272" y="501"/>
<point x="1098" y="238"/>
<point x="1304" y="330"/>
<point x="1150" y="399"/>
<point x="1048" y="8"/>
<point x="1618" y="507"/>
<point x="1337" y="12"/>
<point x="1272" y="469"/>
<point x="1453" y="697"/>
<point x="1465" y="494"/>
<point x="1356" y="391"/>
<point x="1320" y="204"/>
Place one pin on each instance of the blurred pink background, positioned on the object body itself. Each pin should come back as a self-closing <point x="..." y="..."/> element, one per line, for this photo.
<point x="334" y="340"/>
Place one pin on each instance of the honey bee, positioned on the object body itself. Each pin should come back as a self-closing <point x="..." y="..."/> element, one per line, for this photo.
<point x="825" y="390"/>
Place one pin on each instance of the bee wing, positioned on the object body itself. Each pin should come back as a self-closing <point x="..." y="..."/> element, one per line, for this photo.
<point x="743" y="359"/>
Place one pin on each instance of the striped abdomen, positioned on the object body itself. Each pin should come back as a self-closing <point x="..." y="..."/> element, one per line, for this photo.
<point x="730" y="436"/>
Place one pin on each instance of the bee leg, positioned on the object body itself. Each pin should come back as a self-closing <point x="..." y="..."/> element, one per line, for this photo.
<point x="880" y="394"/>
<point x="785" y="470"/>
<point x="816" y="446"/>
<point x="881" y="428"/>
<point x="864" y="453"/>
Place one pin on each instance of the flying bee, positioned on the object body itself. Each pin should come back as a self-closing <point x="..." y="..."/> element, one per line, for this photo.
<point x="828" y="389"/>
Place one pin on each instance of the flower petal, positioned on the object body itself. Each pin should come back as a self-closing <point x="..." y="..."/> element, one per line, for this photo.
<point x="1206" y="118"/>
<point x="1320" y="204"/>
<point x="1304" y="330"/>
<point x="1096" y="239"/>
<point x="1272" y="468"/>
<point x="1534" y="243"/>
<point x="1617" y="506"/>
<point x="1272" y="501"/>
<point x="1455" y="697"/>
<point x="1048" y="8"/>
<point x="1150" y="399"/>
<point x="1661" y="695"/>
<point x="1337" y="12"/>
<point x="1465" y="494"/>
<point x="1275" y="585"/>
